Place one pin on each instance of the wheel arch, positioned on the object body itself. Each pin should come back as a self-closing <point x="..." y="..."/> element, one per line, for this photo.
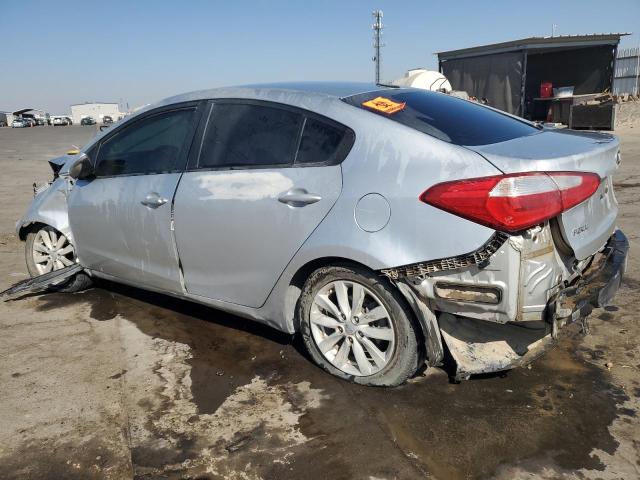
<point x="26" y="228"/>
<point x="57" y="220"/>
<point x="298" y="279"/>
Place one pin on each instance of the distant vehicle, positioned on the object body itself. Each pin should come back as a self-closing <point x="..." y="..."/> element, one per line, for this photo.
<point x="107" y="119"/>
<point x="20" y="123"/>
<point x="36" y="121"/>
<point x="69" y="120"/>
<point x="88" y="121"/>
<point x="63" y="121"/>
<point x="3" y="123"/>
<point x="30" y="121"/>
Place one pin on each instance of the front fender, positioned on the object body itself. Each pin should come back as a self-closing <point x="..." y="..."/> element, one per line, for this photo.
<point x="50" y="208"/>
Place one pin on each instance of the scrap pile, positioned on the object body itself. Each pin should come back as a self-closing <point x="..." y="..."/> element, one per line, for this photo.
<point x="606" y="111"/>
<point x="607" y="97"/>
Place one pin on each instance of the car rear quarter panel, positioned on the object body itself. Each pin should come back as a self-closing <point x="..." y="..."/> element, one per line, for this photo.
<point x="398" y="163"/>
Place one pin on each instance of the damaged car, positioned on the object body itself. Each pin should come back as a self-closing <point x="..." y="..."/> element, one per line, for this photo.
<point x="380" y="224"/>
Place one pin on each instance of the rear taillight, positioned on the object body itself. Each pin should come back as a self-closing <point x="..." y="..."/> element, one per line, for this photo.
<point x="515" y="201"/>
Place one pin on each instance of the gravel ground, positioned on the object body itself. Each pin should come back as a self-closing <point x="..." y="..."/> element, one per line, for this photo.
<point x="120" y="383"/>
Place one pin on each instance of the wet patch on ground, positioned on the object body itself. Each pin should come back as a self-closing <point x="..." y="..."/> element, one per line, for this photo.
<point x="558" y="410"/>
<point x="65" y="460"/>
<point x="222" y="382"/>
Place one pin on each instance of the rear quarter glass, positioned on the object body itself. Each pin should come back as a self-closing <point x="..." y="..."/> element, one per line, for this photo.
<point x="447" y="118"/>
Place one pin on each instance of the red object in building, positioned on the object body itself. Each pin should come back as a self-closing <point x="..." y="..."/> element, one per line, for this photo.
<point x="546" y="90"/>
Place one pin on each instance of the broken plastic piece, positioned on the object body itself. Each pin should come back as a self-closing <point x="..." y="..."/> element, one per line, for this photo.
<point x="482" y="347"/>
<point x="42" y="282"/>
<point x="384" y="105"/>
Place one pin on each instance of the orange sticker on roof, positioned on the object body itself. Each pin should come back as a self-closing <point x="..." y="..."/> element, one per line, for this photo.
<point x="384" y="105"/>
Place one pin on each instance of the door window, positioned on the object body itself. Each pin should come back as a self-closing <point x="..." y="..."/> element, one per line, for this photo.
<point x="323" y="142"/>
<point x="151" y="145"/>
<point x="246" y="135"/>
<point x="250" y="135"/>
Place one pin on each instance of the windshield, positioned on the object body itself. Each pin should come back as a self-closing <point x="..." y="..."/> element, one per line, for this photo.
<point x="447" y="118"/>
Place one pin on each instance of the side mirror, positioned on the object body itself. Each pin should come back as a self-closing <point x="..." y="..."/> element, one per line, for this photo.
<point x="81" y="168"/>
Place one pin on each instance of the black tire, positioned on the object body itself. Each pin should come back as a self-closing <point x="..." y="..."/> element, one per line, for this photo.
<point x="405" y="358"/>
<point x="80" y="281"/>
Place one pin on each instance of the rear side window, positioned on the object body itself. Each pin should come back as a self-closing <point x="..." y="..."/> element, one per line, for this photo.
<point x="151" y="145"/>
<point x="323" y="142"/>
<point x="445" y="117"/>
<point x="249" y="135"/>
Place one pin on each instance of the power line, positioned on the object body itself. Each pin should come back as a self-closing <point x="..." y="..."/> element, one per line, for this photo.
<point x="377" y="44"/>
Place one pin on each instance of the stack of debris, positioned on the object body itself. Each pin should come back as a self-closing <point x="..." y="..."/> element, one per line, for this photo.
<point x="606" y="111"/>
<point x="607" y="97"/>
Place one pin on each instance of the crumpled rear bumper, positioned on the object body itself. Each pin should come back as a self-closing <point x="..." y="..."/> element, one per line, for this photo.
<point x="482" y="346"/>
<point x="596" y="287"/>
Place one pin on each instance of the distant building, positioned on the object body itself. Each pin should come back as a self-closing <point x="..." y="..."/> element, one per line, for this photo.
<point x="510" y="74"/>
<point x="97" y="110"/>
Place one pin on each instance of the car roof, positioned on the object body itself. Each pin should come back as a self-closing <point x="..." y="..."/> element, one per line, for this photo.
<point x="332" y="89"/>
<point x="325" y="89"/>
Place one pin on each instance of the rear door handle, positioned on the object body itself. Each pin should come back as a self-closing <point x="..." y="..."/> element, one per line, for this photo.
<point x="298" y="197"/>
<point x="153" y="200"/>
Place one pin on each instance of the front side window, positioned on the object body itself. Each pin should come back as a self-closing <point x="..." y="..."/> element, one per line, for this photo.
<point x="249" y="135"/>
<point x="151" y="145"/>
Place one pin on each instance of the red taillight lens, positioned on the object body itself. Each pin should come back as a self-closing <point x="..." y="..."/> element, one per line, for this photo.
<point x="513" y="202"/>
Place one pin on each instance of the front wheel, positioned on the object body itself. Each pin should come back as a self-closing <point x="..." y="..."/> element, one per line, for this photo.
<point x="355" y="326"/>
<point x="47" y="250"/>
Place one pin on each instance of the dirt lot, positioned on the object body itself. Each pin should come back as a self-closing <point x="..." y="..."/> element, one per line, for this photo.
<point x="119" y="383"/>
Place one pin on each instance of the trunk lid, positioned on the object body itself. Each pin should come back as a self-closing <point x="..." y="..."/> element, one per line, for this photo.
<point x="587" y="226"/>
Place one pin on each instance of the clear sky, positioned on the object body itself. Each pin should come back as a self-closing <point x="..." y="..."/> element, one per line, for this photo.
<point x="55" y="53"/>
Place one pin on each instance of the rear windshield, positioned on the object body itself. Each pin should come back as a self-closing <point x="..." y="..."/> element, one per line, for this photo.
<point x="442" y="116"/>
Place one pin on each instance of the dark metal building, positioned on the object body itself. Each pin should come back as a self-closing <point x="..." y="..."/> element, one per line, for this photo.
<point x="509" y="74"/>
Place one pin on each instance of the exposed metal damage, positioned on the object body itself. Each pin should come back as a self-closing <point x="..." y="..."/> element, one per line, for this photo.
<point x="596" y="287"/>
<point x="503" y="310"/>
<point x="477" y="257"/>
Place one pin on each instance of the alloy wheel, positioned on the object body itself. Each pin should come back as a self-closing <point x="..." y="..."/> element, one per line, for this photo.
<point x="52" y="251"/>
<point x="352" y="328"/>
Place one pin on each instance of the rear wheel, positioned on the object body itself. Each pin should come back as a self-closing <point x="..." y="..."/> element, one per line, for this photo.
<point x="47" y="250"/>
<point x="355" y="326"/>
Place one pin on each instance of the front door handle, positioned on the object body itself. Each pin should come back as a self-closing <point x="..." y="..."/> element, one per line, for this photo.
<point x="298" y="197"/>
<point x="153" y="200"/>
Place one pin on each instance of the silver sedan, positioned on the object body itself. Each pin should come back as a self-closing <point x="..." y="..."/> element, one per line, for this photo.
<point x="378" y="223"/>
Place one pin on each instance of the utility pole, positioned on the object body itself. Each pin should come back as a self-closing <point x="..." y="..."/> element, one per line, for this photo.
<point x="377" y="33"/>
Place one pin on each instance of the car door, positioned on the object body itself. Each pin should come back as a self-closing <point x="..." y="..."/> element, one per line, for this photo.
<point x="121" y="219"/>
<point x="266" y="176"/>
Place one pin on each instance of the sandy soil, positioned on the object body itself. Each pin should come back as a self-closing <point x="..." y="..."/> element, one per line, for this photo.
<point x="119" y="383"/>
